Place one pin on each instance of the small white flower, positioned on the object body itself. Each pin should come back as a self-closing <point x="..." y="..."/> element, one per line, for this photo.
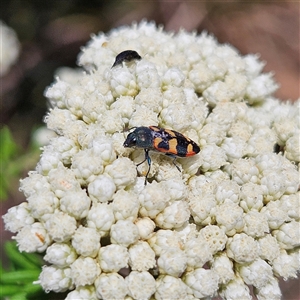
<point x="111" y="286"/>
<point x="256" y="224"/>
<point x="100" y="217"/>
<point x="203" y="282"/>
<point x="169" y="287"/>
<point x="236" y="289"/>
<point x="60" y="226"/>
<point x="292" y="148"/>
<point x="242" y="248"/>
<point x="33" y="238"/>
<point x="172" y="261"/>
<point x="258" y="273"/>
<point x="198" y="252"/>
<point x="288" y="235"/>
<point x="173" y="216"/>
<point x="145" y="227"/>
<point x="102" y="188"/>
<point x="141" y="285"/>
<point x="61" y="255"/>
<point x="17" y="217"/>
<point x="124" y="232"/>
<point x="214" y="236"/>
<point x="269" y="248"/>
<point x="84" y="271"/>
<point x="269" y="291"/>
<point x="122" y="171"/>
<point x="286" y="265"/>
<point x="165" y="239"/>
<point x="55" y="279"/>
<point x="125" y="205"/>
<point x="141" y="256"/>
<point x="86" y="241"/>
<point x="222" y="265"/>
<point x="113" y="258"/>
<point x="229" y="217"/>
<point x="83" y="293"/>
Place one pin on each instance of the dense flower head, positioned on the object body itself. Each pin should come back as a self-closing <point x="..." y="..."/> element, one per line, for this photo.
<point x="228" y="219"/>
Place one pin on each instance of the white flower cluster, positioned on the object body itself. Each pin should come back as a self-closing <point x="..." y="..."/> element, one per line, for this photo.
<point x="228" y="220"/>
<point x="10" y="48"/>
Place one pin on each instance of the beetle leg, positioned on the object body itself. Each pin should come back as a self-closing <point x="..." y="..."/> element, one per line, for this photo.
<point x="148" y="159"/>
<point x="174" y="159"/>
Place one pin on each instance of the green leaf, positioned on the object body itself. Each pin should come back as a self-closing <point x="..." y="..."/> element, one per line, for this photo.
<point x="8" y="147"/>
<point x="20" y="259"/>
<point x="20" y="277"/>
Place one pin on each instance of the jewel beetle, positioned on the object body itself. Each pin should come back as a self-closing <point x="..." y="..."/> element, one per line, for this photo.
<point x="166" y="141"/>
<point x="126" y="56"/>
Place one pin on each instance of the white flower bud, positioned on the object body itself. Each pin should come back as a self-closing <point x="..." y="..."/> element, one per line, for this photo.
<point x="291" y="204"/>
<point x="61" y="255"/>
<point x="256" y="224"/>
<point x="82" y="293"/>
<point x="227" y="190"/>
<point x="17" y="217"/>
<point x="222" y="265"/>
<point x="141" y="257"/>
<point x="204" y="283"/>
<point x="86" y="165"/>
<point x="76" y="204"/>
<point x="212" y="157"/>
<point x="33" y="183"/>
<point x="153" y="199"/>
<point x="292" y="149"/>
<point x="33" y="238"/>
<point x="169" y="287"/>
<point x="164" y="239"/>
<point x="173" y="216"/>
<point x="229" y="217"/>
<point x="55" y="279"/>
<point x="251" y="197"/>
<point x="243" y="171"/>
<point x="41" y="203"/>
<point x="102" y="188"/>
<point x="276" y="216"/>
<point x="86" y="241"/>
<point x="84" y="270"/>
<point x="122" y="82"/>
<point x="288" y="235"/>
<point x="60" y="226"/>
<point x="236" y="289"/>
<point x="122" y="171"/>
<point x="100" y="217"/>
<point x="124" y="232"/>
<point x="141" y="285"/>
<point x="269" y="248"/>
<point x="172" y="261"/>
<point x="198" y="252"/>
<point x="242" y="248"/>
<point x="62" y="181"/>
<point x="111" y="286"/>
<point x="286" y="265"/>
<point x="125" y="205"/>
<point x="147" y="76"/>
<point x="214" y="236"/>
<point x="269" y="291"/>
<point x="258" y="273"/>
<point x="260" y="87"/>
<point x="113" y="258"/>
